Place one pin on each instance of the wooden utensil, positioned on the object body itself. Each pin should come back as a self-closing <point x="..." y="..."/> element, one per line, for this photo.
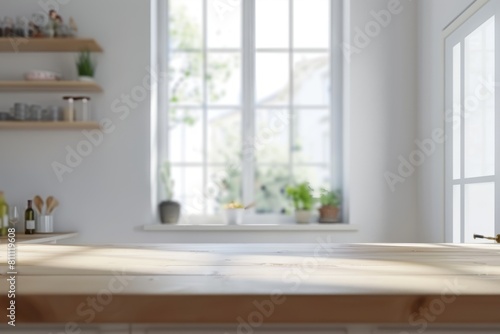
<point x="38" y="204"/>
<point x="497" y="238"/>
<point x="249" y="206"/>
<point x="53" y="204"/>
<point x="49" y="201"/>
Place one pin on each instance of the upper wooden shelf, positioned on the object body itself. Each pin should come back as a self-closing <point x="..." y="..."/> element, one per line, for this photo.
<point x="49" y="86"/>
<point x="15" y="45"/>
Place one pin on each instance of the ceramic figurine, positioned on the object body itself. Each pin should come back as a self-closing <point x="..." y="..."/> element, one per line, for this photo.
<point x="9" y="27"/>
<point x="73" y="27"/>
<point x="55" y="17"/>
<point x="56" y="22"/>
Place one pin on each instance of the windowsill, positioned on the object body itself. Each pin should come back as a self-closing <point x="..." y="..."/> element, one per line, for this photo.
<point x="252" y="227"/>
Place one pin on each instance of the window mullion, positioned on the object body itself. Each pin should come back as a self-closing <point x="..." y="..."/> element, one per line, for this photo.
<point x="162" y="66"/>
<point x="204" y="109"/>
<point x="248" y="84"/>
<point x="291" y="90"/>
<point x="462" y="140"/>
<point x="336" y="98"/>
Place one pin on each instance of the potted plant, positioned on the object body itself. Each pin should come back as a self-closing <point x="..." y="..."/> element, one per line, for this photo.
<point x="330" y="206"/>
<point x="303" y="201"/>
<point x="85" y="66"/>
<point x="169" y="210"/>
<point x="234" y="213"/>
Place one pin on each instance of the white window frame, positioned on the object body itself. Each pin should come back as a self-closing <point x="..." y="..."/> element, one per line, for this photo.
<point x="452" y="35"/>
<point x="339" y="10"/>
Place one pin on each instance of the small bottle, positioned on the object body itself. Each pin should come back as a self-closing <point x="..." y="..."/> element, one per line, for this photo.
<point x="69" y="112"/>
<point x="4" y="215"/>
<point x="20" y="27"/>
<point x="29" y="219"/>
<point x="85" y="109"/>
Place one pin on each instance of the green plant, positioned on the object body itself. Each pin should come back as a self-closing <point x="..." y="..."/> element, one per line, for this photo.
<point x="85" y="65"/>
<point x="329" y="198"/>
<point x="301" y="196"/>
<point x="167" y="181"/>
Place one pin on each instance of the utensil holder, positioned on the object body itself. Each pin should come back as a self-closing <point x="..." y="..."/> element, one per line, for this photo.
<point x="45" y="224"/>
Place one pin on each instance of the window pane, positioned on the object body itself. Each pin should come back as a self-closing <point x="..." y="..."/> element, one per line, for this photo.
<point x="457" y="214"/>
<point x="188" y="189"/>
<point x="312" y="136"/>
<point x="224" y="186"/>
<point x="272" y="78"/>
<point x="457" y="111"/>
<point x="186" y="135"/>
<point x="270" y="184"/>
<point x="224" y="78"/>
<point x="479" y="211"/>
<point x="272" y="23"/>
<point x="311" y="79"/>
<point x="186" y="24"/>
<point x="272" y="141"/>
<point x="311" y="22"/>
<point x="318" y="177"/>
<point x="224" y="24"/>
<point x="479" y="119"/>
<point x="224" y="136"/>
<point x="186" y="78"/>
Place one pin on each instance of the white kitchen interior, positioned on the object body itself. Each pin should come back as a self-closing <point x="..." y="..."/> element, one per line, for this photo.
<point x="233" y="110"/>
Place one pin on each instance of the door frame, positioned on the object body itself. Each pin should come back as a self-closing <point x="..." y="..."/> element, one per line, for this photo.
<point x="455" y="33"/>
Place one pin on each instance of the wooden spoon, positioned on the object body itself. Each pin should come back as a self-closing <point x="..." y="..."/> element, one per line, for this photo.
<point x="49" y="201"/>
<point x="249" y="206"/>
<point x="38" y="204"/>
<point x="53" y="206"/>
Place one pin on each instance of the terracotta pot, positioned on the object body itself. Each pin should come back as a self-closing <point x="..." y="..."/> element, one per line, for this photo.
<point x="170" y="212"/>
<point x="328" y="214"/>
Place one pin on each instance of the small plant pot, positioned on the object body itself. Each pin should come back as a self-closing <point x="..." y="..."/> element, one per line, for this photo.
<point x="303" y="217"/>
<point x="234" y="216"/>
<point x="170" y="212"/>
<point x="86" y="79"/>
<point x="329" y="214"/>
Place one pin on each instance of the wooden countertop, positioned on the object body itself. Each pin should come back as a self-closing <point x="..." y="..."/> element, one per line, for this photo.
<point x="213" y="283"/>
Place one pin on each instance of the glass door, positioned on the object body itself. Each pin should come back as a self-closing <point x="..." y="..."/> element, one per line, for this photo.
<point x="471" y="127"/>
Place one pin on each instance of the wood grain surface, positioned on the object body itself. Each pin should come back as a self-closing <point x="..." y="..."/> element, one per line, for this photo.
<point x="275" y="283"/>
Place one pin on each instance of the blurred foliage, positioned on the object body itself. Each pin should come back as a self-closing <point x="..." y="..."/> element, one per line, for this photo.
<point x="329" y="198"/>
<point x="302" y="196"/>
<point x="186" y="34"/>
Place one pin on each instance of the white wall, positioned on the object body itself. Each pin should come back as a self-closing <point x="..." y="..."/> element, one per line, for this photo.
<point x="434" y="16"/>
<point x="108" y="194"/>
<point x="107" y="198"/>
<point x="383" y="118"/>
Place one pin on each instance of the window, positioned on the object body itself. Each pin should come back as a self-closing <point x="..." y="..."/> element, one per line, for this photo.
<point x="253" y="100"/>
<point x="472" y="181"/>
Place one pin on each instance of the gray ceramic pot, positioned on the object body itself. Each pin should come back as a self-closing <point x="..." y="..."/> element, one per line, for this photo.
<point x="170" y="212"/>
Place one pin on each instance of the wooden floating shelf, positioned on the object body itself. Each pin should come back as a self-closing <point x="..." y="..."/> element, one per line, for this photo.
<point x="21" y="125"/>
<point x="49" y="86"/>
<point x="20" y="44"/>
